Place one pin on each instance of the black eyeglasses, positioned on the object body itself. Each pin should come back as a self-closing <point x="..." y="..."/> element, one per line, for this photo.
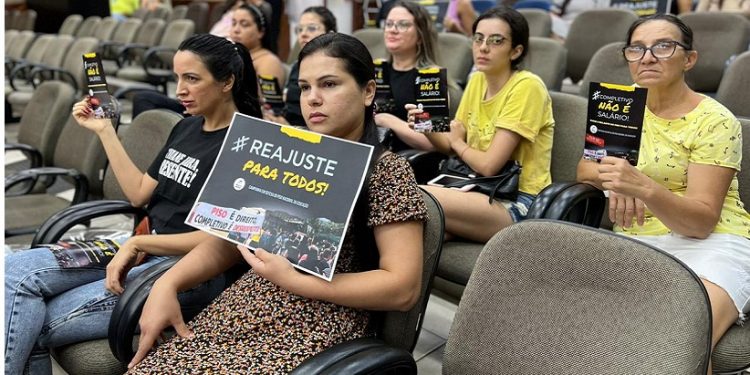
<point x="310" y="28"/>
<point x="492" y="40"/>
<point x="660" y="50"/>
<point x="401" y="26"/>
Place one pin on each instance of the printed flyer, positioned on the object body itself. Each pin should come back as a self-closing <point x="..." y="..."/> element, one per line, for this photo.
<point x="273" y="98"/>
<point x="437" y="10"/>
<point x="431" y="93"/>
<point x="104" y="105"/>
<point x="283" y="189"/>
<point x="614" y="121"/>
<point x="643" y="8"/>
<point x="83" y="254"/>
<point x="384" y="101"/>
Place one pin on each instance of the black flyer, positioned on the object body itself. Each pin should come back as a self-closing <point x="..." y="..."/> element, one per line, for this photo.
<point x="614" y="121"/>
<point x="384" y="101"/>
<point x="83" y="254"/>
<point x="273" y="98"/>
<point x="283" y="189"/>
<point x="431" y="93"/>
<point x="103" y="104"/>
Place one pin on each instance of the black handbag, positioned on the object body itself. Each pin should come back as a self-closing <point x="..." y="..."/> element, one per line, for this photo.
<point x="504" y="185"/>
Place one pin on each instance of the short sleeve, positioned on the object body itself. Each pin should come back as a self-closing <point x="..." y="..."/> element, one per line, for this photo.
<point x="523" y="112"/>
<point x="394" y="195"/>
<point x="718" y="141"/>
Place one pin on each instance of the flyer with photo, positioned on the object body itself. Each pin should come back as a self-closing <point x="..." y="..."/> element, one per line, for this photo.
<point x="283" y="189"/>
<point x="614" y="121"/>
<point x="273" y="98"/>
<point x="384" y="101"/>
<point x="104" y="105"/>
<point x="431" y="94"/>
<point x="83" y="254"/>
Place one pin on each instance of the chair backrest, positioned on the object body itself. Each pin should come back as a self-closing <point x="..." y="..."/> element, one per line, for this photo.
<point x="19" y="45"/>
<point x="569" y="112"/>
<point x="142" y="140"/>
<point x="177" y="31"/>
<point x="178" y="13"/>
<point x="161" y="12"/>
<point x="10" y="15"/>
<point x="70" y="25"/>
<point x="732" y="91"/>
<point x="44" y="117"/>
<point x="36" y="52"/>
<point x="716" y="36"/>
<point x="126" y="30"/>
<point x="455" y="55"/>
<point x="88" y="27"/>
<point x="10" y="35"/>
<point x="591" y="30"/>
<point x="72" y="61"/>
<point x="198" y="12"/>
<point x="150" y="32"/>
<point x="26" y="20"/>
<point x="105" y="29"/>
<point x="550" y="295"/>
<point x="401" y="329"/>
<point x="546" y="58"/>
<point x="56" y="50"/>
<point x="373" y="39"/>
<point x="743" y="178"/>
<point x="80" y="149"/>
<point x="292" y="58"/>
<point x="140" y="13"/>
<point x="540" y="22"/>
<point x="607" y="65"/>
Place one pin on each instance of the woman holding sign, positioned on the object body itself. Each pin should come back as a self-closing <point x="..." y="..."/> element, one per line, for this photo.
<point x="48" y="305"/>
<point x="682" y="196"/>
<point x="505" y="114"/>
<point x="274" y="317"/>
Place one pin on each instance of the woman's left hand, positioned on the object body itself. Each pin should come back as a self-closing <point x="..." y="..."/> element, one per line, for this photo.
<point x="458" y="132"/>
<point x="275" y="268"/>
<point x="619" y="176"/>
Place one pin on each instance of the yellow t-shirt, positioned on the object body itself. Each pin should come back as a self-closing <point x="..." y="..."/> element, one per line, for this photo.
<point x="522" y="106"/>
<point x="709" y="134"/>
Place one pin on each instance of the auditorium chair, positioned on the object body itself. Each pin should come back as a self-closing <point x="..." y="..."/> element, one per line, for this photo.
<point x="540" y="22"/>
<point x="546" y="58"/>
<point x="372" y="38"/>
<point x="591" y="30"/>
<point x="732" y="91"/>
<point x="551" y="297"/>
<point x="88" y="27"/>
<point x="70" y="25"/>
<point x="455" y="55"/>
<point x="607" y="65"/>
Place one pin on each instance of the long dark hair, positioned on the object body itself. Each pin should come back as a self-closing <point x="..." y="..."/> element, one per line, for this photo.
<point x="225" y="59"/>
<point x="329" y="20"/>
<point x="519" y="29"/>
<point x="427" y="45"/>
<point x="357" y="62"/>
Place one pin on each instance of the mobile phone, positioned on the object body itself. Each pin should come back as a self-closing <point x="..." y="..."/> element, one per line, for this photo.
<point x="446" y="179"/>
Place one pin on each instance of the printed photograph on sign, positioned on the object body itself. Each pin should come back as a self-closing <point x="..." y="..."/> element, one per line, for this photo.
<point x="286" y="190"/>
<point x="103" y="104"/>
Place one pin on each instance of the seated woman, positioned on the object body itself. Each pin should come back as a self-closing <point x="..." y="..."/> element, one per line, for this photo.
<point x="459" y="17"/>
<point x="314" y="21"/>
<point x="682" y="196"/>
<point x="47" y="305"/>
<point x="223" y="26"/>
<point x="274" y="317"/>
<point x="505" y="114"/>
<point x="410" y="39"/>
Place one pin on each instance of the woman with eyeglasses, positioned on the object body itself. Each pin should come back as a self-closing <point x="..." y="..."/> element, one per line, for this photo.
<point x="249" y="27"/>
<point x="410" y="40"/>
<point x="505" y="114"/>
<point x="313" y="22"/>
<point x="682" y="197"/>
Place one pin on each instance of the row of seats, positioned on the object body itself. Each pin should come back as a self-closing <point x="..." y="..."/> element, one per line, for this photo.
<point x="20" y="19"/>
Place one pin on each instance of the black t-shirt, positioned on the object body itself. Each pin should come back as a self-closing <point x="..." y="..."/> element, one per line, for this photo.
<point x="293" y="111"/>
<point x="402" y="88"/>
<point x="181" y="168"/>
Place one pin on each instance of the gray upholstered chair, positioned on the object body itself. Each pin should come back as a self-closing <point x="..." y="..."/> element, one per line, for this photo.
<point x="17" y="43"/>
<point x="458" y="257"/>
<point x="88" y="27"/>
<point x="372" y="38"/>
<point x="717" y="36"/>
<point x="591" y="30"/>
<point x="546" y="58"/>
<point x="70" y="24"/>
<point x="105" y="29"/>
<point x="179" y="12"/>
<point x="607" y="65"/>
<point x="540" y="22"/>
<point x="122" y="35"/>
<point x="198" y="12"/>
<point x="732" y="91"/>
<point x="548" y="297"/>
<point x="25" y="20"/>
<point x="455" y="55"/>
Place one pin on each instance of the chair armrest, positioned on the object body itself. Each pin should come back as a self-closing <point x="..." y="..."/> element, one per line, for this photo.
<point x="359" y="356"/>
<point x="124" y="53"/>
<point x="426" y="164"/>
<point x="152" y="59"/>
<point x="40" y="73"/>
<point x="126" y="91"/>
<point x="544" y="199"/>
<point x="128" y="310"/>
<point x="108" y="50"/>
<point x="20" y="70"/>
<point x="34" y="156"/>
<point x="32" y="176"/>
<point x="53" y="229"/>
